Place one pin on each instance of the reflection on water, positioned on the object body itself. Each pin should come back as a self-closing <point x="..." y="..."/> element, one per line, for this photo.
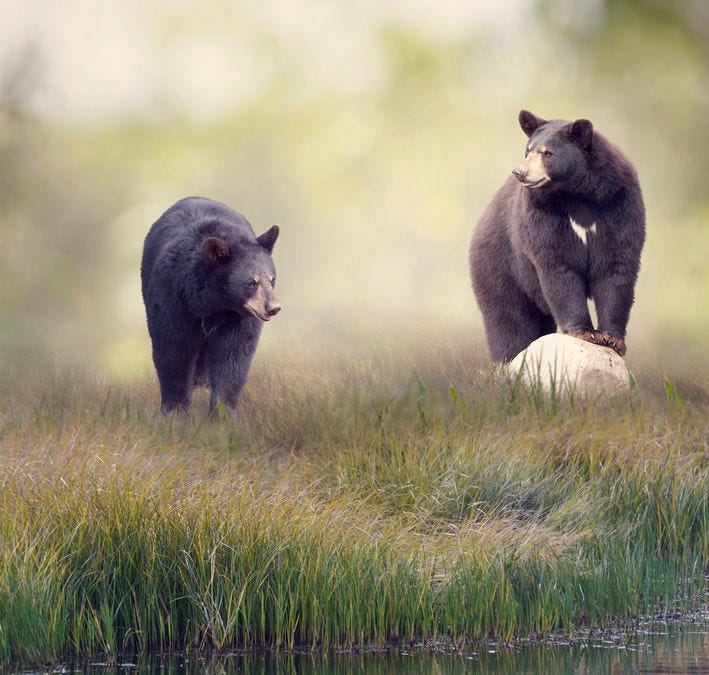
<point x="662" y="650"/>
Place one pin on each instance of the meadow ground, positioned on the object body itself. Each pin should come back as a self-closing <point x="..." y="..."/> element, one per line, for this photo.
<point x="379" y="492"/>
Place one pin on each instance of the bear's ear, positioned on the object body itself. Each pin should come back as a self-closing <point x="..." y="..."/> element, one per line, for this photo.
<point x="582" y="132"/>
<point x="214" y="250"/>
<point x="529" y="122"/>
<point x="268" y="238"/>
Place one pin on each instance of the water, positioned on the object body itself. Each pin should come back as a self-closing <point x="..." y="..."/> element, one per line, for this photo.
<point x="664" y="648"/>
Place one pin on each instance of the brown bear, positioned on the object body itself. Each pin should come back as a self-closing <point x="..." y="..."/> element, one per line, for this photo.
<point x="568" y="225"/>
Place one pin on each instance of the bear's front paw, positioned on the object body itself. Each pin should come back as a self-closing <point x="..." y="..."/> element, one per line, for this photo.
<point x="614" y="342"/>
<point x="600" y="338"/>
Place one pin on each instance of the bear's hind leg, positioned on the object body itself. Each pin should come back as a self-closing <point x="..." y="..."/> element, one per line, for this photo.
<point x="511" y="326"/>
<point x="201" y="376"/>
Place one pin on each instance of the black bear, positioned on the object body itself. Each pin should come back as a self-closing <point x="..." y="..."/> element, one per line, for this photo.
<point x="208" y="286"/>
<point x="568" y="225"/>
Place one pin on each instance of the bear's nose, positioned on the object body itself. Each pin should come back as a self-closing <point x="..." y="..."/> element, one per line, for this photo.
<point x="519" y="173"/>
<point x="273" y="309"/>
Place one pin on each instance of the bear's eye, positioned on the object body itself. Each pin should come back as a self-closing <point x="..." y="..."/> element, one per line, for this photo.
<point x="547" y="153"/>
<point x="273" y="282"/>
<point x="253" y="283"/>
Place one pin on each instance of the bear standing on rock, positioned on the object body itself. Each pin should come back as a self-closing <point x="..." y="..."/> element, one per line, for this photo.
<point x="208" y="286"/>
<point x="567" y="226"/>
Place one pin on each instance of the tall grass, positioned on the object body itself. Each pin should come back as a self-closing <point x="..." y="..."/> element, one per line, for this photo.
<point x="362" y="498"/>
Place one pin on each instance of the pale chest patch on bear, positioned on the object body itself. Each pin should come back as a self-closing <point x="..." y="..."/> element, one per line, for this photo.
<point x="582" y="232"/>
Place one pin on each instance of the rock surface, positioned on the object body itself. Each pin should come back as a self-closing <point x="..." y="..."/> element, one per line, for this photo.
<point x="563" y="364"/>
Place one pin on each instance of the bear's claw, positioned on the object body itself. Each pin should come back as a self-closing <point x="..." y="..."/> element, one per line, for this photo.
<point x="614" y="342"/>
<point x="601" y="338"/>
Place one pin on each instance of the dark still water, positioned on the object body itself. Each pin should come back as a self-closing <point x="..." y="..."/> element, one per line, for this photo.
<point x="662" y="649"/>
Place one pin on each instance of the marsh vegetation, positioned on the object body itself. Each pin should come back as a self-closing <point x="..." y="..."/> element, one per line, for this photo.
<point x="366" y="497"/>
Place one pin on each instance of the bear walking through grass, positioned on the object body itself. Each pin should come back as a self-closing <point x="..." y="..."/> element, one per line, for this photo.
<point x="208" y="286"/>
<point x="568" y="225"/>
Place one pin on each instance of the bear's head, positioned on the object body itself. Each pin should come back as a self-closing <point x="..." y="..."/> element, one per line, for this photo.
<point x="241" y="276"/>
<point x="556" y="156"/>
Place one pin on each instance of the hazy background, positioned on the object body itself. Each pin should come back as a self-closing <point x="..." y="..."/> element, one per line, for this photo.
<point x="374" y="132"/>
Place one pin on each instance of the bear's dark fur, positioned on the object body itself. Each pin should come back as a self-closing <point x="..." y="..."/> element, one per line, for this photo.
<point x="567" y="226"/>
<point x="208" y="287"/>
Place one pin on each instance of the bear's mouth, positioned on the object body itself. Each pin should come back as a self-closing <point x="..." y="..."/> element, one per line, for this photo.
<point x="537" y="183"/>
<point x="257" y="314"/>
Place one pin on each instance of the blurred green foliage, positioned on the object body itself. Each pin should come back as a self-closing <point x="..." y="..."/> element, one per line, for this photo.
<point x="373" y="138"/>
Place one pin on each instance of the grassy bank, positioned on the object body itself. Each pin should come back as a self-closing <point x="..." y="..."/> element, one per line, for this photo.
<point x="366" y="496"/>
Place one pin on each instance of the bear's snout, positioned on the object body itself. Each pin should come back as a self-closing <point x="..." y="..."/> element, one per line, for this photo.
<point x="519" y="173"/>
<point x="263" y="304"/>
<point x="273" y="309"/>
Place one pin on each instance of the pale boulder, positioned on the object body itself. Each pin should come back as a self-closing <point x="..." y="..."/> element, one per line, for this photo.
<point x="565" y="364"/>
